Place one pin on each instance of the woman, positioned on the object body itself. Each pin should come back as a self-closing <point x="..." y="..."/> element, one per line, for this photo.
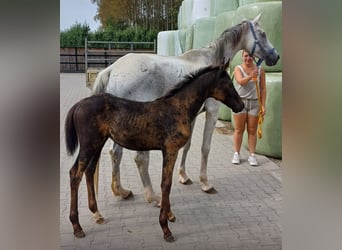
<point x="246" y="75"/>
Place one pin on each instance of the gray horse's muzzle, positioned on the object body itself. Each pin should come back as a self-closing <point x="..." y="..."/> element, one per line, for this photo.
<point x="272" y="58"/>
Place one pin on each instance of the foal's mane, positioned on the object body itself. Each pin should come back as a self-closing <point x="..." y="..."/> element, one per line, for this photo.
<point x="187" y="80"/>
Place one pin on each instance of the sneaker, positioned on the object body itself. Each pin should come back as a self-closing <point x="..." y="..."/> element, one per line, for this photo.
<point x="236" y="158"/>
<point x="252" y="160"/>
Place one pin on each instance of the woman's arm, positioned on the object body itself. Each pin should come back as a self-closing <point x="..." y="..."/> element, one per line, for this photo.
<point x="240" y="79"/>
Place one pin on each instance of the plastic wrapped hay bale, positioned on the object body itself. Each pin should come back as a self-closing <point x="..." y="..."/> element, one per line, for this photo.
<point x="224" y="112"/>
<point x="168" y="43"/>
<point x="163" y="43"/>
<point x="179" y="18"/>
<point x="245" y="2"/>
<point x="203" y="32"/>
<point x="189" y="38"/>
<point x="186" y="14"/>
<point x="182" y="39"/>
<point x="219" y="6"/>
<point x="271" y="22"/>
<point x="200" y="9"/>
<point x="223" y="21"/>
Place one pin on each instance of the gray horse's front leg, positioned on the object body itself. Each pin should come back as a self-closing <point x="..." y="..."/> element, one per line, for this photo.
<point x="211" y="107"/>
<point x="183" y="178"/>
<point x="142" y="160"/>
<point x="117" y="189"/>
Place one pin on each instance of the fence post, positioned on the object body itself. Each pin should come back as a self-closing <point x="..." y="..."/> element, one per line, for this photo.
<point x="85" y="55"/>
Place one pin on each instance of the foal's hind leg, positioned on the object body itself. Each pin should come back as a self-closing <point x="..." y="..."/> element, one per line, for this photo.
<point x="142" y="160"/>
<point x="183" y="178"/>
<point x="211" y="107"/>
<point x="169" y="159"/>
<point x="76" y="173"/>
<point x="90" y="187"/>
<point x="117" y="189"/>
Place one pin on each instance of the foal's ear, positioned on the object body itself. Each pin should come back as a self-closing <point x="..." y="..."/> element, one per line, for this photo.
<point x="226" y="65"/>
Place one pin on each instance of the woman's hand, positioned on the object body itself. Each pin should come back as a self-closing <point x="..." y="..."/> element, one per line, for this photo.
<point x="254" y="74"/>
<point x="262" y="110"/>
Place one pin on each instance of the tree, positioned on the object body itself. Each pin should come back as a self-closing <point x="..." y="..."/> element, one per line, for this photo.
<point x="148" y="14"/>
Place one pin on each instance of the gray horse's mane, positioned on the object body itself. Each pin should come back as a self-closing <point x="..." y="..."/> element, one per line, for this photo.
<point x="231" y="35"/>
<point x="187" y="80"/>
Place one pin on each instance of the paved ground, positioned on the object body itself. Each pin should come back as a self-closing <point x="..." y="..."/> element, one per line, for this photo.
<point x="244" y="214"/>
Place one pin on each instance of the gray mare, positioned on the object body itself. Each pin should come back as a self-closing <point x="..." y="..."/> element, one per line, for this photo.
<point x="145" y="77"/>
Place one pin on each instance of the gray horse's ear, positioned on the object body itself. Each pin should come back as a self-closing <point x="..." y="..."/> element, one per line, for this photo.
<point x="257" y="18"/>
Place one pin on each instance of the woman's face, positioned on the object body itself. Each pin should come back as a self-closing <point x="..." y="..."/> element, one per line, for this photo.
<point x="246" y="58"/>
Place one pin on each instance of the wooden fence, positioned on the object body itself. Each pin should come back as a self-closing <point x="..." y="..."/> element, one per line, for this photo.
<point x="99" y="54"/>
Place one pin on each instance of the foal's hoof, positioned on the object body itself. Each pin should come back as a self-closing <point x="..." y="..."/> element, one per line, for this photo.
<point x="98" y="218"/>
<point x="171" y="217"/>
<point x="169" y="238"/>
<point x="79" y="234"/>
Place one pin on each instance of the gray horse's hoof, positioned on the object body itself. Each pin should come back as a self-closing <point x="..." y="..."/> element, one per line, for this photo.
<point x="187" y="182"/>
<point x="127" y="196"/>
<point x="211" y="190"/>
<point x="100" y="221"/>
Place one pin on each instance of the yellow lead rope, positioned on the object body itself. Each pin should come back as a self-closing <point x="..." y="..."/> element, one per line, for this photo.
<point x="260" y="116"/>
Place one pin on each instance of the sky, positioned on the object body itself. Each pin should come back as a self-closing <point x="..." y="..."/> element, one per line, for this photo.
<point x="80" y="11"/>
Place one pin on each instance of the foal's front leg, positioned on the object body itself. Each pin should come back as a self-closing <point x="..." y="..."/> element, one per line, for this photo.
<point x="183" y="177"/>
<point x="169" y="159"/>
<point x="211" y="107"/>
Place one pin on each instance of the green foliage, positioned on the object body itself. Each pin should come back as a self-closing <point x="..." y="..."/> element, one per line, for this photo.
<point x="74" y="37"/>
<point x="114" y="32"/>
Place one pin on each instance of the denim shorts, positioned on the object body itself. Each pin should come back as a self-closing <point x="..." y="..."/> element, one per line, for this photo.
<point x="251" y="107"/>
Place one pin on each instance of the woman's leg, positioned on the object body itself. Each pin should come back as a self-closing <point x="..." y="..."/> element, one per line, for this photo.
<point x="240" y="123"/>
<point x="252" y="126"/>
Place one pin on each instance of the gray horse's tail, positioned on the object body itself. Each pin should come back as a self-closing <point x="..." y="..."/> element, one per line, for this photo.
<point x="101" y="81"/>
<point x="71" y="138"/>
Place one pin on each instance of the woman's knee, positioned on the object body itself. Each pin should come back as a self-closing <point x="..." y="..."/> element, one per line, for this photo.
<point x="251" y="131"/>
<point x="239" y="130"/>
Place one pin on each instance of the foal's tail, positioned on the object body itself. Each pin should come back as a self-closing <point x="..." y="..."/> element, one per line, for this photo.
<point x="102" y="80"/>
<point x="71" y="139"/>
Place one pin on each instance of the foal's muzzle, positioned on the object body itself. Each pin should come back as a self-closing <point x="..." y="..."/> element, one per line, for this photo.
<point x="239" y="108"/>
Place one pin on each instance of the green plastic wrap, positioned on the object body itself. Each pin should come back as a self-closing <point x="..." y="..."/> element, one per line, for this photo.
<point x="219" y="6"/>
<point x="203" y="32"/>
<point x="223" y="21"/>
<point x="245" y="2"/>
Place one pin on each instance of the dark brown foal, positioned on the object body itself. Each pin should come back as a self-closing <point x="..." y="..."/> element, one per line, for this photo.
<point x="163" y="124"/>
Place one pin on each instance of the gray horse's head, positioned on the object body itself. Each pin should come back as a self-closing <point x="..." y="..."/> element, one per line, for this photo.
<point x="258" y="45"/>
